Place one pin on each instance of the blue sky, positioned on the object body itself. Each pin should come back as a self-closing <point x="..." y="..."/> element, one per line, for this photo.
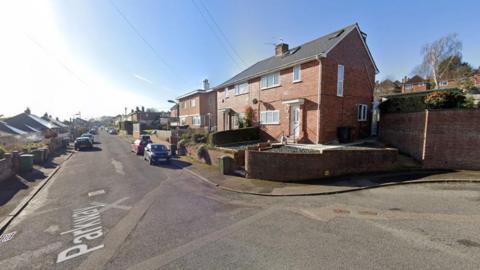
<point x="99" y="53"/>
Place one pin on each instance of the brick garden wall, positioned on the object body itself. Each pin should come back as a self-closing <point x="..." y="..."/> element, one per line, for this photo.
<point x="297" y="166"/>
<point x="447" y="139"/>
<point x="404" y="131"/>
<point x="6" y="168"/>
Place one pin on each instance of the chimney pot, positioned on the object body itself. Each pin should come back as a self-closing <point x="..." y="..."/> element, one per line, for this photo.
<point x="206" y="84"/>
<point x="280" y="49"/>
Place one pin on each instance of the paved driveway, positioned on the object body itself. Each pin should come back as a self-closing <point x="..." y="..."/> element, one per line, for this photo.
<point x="108" y="209"/>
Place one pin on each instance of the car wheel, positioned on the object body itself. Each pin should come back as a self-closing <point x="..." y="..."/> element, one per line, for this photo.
<point x="168" y="160"/>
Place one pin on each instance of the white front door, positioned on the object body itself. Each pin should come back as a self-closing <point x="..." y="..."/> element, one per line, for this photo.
<point x="295" y="121"/>
<point x="226" y="117"/>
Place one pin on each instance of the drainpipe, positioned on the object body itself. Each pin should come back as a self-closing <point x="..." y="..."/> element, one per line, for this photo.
<point x="319" y="93"/>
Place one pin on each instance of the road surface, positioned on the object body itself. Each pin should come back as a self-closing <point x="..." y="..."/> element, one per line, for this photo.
<point x="108" y="209"/>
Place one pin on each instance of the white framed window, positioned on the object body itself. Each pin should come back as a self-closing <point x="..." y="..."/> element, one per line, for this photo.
<point x="196" y="120"/>
<point x="362" y="110"/>
<point x="184" y="104"/>
<point x="183" y="121"/>
<point x="210" y="101"/>
<point x="408" y="86"/>
<point x="340" y="77"/>
<point x="225" y="93"/>
<point x="270" y="80"/>
<point x="297" y="76"/>
<point x="270" y="117"/>
<point x="192" y="103"/>
<point x="241" y="88"/>
<point x="443" y="83"/>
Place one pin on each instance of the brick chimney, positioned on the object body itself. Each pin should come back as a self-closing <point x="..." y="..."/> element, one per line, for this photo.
<point x="280" y="49"/>
<point x="206" y="84"/>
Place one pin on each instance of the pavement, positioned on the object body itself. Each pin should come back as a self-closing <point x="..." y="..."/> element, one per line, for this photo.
<point x="212" y="175"/>
<point x="108" y="209"/>
<point x="17" y="191"/>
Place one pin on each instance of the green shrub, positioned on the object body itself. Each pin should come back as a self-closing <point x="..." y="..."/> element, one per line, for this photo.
<point x="445" y="100"/>
<point x="234" y="136"/>
<point x="199" y="138"/>
<point x="413" y="103"/>
<point x="469" y="103"/>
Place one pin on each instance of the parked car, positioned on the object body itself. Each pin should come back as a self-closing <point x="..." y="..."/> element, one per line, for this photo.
<point x="138" y="146"/>
<point x="156" y="152"/>
<point x="112" y="131"/>
<point x="83" y="142"/>
<point x="145" y="137"/>
<point x="93" y="131"/>
<point x="89" y="135"/>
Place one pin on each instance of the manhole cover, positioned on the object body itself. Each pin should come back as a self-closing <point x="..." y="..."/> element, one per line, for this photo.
<point x="7" y="237"/>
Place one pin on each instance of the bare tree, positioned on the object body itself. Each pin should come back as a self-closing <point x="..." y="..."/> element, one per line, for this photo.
<point x="436" y="52"/>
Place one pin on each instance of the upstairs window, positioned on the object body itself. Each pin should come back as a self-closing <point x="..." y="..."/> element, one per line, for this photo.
<point x="192" y="103"/>
<point x="241" y="88"/>
<point x="443" y="83"/>
<point x="297" y="74"/>
<point x="184" y="104"/>
<point x="340" y="76"/>
<point x="225" y="93"/>
<point x="270" y="80"/>
<point x="362" y="110"/>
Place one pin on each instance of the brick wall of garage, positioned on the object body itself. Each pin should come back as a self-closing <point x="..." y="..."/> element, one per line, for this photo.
<point x="444" y="139"/>
<point x="300" y="166"/>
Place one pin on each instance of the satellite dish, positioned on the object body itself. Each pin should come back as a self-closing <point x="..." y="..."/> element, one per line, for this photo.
<point x="255" y="101"/>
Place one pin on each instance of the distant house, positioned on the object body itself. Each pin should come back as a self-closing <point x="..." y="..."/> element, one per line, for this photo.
<point x="387" y="87"/>
<point x="61" y="129"/>
<point x="7" y="130"/>
<point x="198" y="108"/>
<point x="30" y="123"/>
<point x="148" y="118"/>
<point x="309" y="93"/>
<point x="415" y="84"/>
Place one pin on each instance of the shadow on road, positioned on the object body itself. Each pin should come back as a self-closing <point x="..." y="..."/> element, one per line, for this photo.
<point x="9" y="188"/>
<point x="174" y="164"/>
<point x="93" y="149"/>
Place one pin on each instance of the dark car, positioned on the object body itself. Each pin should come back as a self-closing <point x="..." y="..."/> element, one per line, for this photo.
<point x="83" y="142"/>
<point x="90" y="136"/>
<point x="93" y="131"/>
<point x="112" y="131"/>
<point x="156" y="152"/>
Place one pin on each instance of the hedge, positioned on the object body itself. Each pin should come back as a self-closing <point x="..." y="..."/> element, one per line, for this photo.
<point x="234" y="136"/>
<point x="416" y="102"/>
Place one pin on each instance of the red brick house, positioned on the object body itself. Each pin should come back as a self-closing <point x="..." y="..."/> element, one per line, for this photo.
<point x="306" y="92"/>
<point x="198" y="108"/>
<point x="415" y="84"/>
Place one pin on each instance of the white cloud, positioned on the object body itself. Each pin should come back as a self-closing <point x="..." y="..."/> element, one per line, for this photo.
<point x="141" y="78"/>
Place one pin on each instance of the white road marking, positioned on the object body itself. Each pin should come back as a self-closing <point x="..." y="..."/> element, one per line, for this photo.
<point x="118" y="166"/>
<point x="7" y="237"/>
<point x="95" y="193"/>
<point x="115" y="205"/>
<point x="25" y="259"/>
<point x="52" y="229"/>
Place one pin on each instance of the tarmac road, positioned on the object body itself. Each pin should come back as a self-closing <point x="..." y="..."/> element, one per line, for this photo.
<point x="108" y="209"/>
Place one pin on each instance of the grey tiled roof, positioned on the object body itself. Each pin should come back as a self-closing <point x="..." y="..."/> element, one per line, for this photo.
<point x="295" y="54"/>
<point x="29" y="123"/>
<point x="6" y="128"/>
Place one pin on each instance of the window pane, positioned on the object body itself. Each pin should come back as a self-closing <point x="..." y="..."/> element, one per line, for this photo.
<point x="269" y="117"/>
<point x="275" y="79"/>
<point x="275" y="116"/>
<point x="263" y="118"/>
<point x="264" y="82"/>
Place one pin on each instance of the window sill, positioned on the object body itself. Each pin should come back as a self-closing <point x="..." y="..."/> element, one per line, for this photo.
<point x="267" y="88"/>
<point x="297" y="81"/>
<point x="241" y="94"/>
<point x="270" y="124"/>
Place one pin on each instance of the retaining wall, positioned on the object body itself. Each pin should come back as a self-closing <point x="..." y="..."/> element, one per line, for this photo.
<point x="303" y="166"/>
